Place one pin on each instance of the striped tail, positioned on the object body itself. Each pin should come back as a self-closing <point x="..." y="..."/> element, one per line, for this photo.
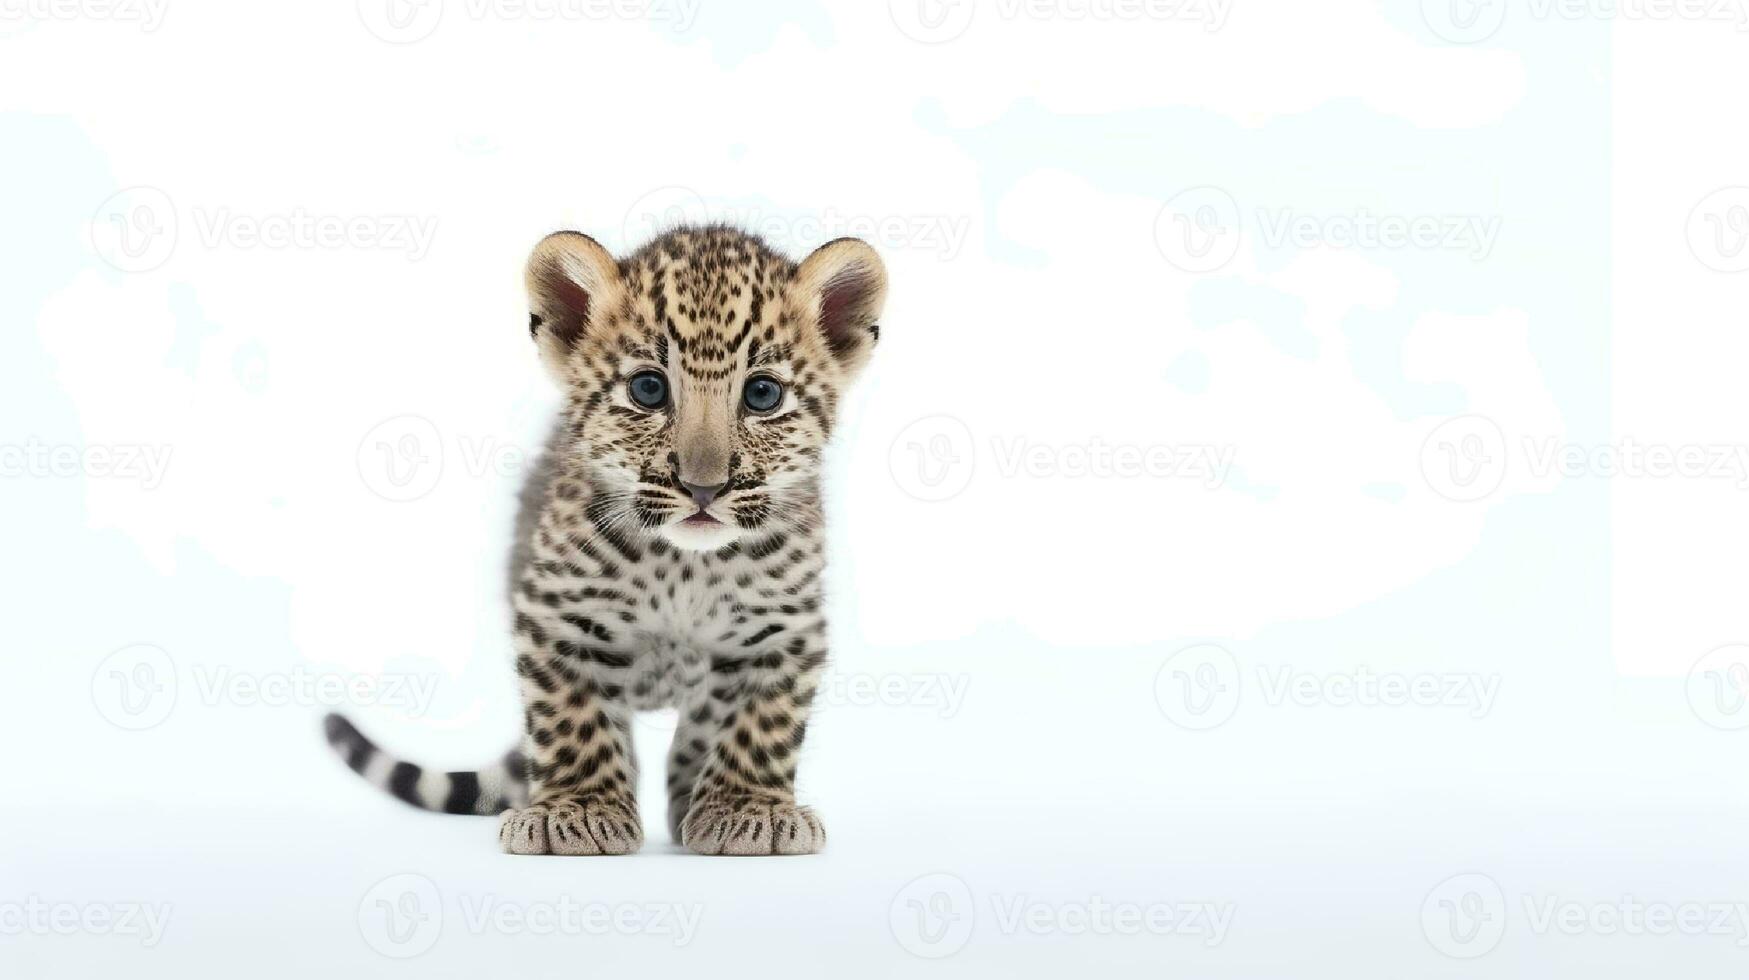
<point x="489" y="791"/>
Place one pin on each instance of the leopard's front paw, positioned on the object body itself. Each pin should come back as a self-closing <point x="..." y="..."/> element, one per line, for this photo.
<point x="581" y="825"/>
<point x="752" y="825"/>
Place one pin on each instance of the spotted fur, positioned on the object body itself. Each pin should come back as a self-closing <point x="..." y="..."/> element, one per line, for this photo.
<point x="625" y="596"/>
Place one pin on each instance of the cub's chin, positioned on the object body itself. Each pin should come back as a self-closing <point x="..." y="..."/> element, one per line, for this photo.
<point x="700" y="533"/>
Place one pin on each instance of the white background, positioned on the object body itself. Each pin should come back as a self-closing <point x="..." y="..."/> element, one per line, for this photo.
<point x="267" y="394"/>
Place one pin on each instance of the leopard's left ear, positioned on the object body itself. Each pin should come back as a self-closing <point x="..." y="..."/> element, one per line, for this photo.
<point x="570" y="279"/>
<point x="845" y="286"/>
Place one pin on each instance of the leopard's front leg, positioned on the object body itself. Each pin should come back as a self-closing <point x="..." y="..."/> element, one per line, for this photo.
<point x="743" y="798"/>
<point x="581" y="769"/>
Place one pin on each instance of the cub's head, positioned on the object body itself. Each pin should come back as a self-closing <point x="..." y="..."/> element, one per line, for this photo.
<point x="703" y="374"/>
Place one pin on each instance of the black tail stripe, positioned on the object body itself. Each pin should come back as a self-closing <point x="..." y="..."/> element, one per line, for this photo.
<point x="404" y="783"/>
<point x="464" y="792"/>
<point x="352" y="746"/>
<point x="358" y="756"/>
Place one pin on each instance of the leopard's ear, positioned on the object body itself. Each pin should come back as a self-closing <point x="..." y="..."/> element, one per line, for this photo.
<point x="844" y="285"/>
<point x="569" y="277"/>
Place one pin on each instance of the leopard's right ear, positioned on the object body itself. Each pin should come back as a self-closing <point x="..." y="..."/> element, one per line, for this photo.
<point x="569" y="276"/>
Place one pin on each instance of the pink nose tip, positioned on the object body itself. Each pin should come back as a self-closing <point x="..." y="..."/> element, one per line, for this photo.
<point x="703" y="495"/>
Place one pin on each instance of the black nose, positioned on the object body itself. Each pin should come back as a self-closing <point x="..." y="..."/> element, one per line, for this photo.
<point x="702" y="496"/>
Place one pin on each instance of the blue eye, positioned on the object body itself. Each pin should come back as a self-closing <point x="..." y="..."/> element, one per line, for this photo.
<point x="649" y="389"/>
<point x="762" y="395"/>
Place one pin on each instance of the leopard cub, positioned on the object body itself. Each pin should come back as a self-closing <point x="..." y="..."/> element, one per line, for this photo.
<point x="671" y="546"/>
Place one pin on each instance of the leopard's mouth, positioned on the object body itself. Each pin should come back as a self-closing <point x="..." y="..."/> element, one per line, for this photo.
<point x="702" y="531"/>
